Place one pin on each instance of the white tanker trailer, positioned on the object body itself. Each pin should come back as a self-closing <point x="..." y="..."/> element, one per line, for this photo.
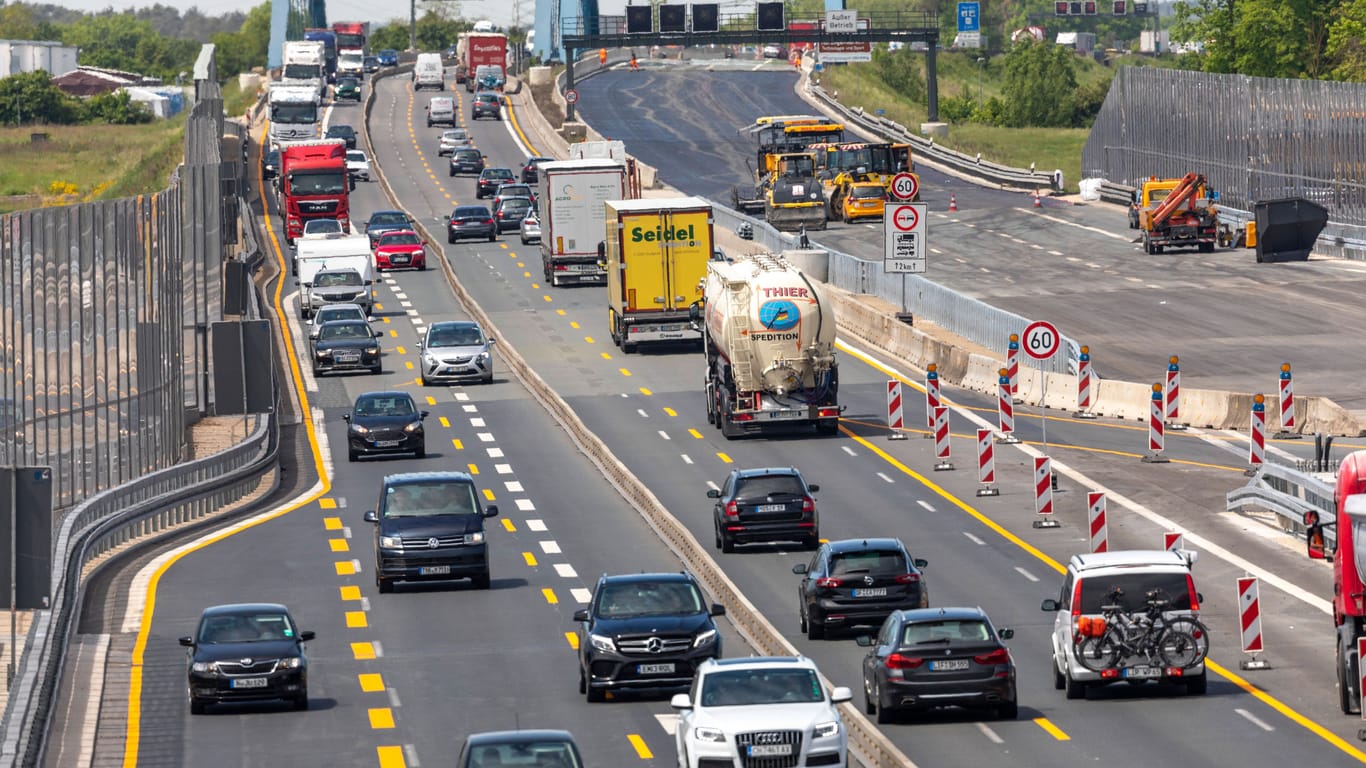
<point x="769" y="337"/>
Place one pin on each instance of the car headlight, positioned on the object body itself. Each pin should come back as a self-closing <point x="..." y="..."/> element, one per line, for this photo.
<point x="603" y="643"/>
<point x="826" y="730"/>
<point x="372" y="350"/>
<point x="204" y="666"/>
<point x="416" y="426"/>
<point x="390" y="542"/>
<point x="292" y="662"/>
<point x="474" y="538"/>
<point x="485" y="355"/>
<point x="713" y="735"/>
<point x="359" y="429"/>
<point x="705" y="638"/>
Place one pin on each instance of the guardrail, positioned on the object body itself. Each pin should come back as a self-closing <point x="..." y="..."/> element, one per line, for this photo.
<point x="1289" y="493"/>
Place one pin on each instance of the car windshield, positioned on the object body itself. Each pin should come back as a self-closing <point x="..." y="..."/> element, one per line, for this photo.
<point x="387" y="220"/>
<point x="322" y="226"/>
<point x="334" y="279"/>
<point x="515" y="204"/>
<point x="340" y="132"/>
<point x="346" y="330"/>
<point x="532" y="754"/>
<point x="745" y="687"/>
<point x="317" y="182"/>
<point x="429" y="499"/>
<point x="348" y="82"/>
<point x="1095" y="591"/>
<point x="619" y="601"/>
<point x="385" y="405"/>
<point x="401" y="238"/>
<point x="965" y="631"/>
<point x="329" y="314"/>
<point x="471" y="213"/>
<point x="514" y="190"/>
<point x="868" y="193"/>
<point x="467" y="336"/>
<point x="355" y="156"/>
<point x="245" y="627"/>
<point x="875" y="563"/>
<point x="468" y="154"/>
<point x="762" y="486"/>
<point x="456" y="135"/>
<point x="498" y="173"/>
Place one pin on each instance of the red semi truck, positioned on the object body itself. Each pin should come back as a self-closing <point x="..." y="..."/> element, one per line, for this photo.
<point x="484" y="49"/>
<point x="1349" y="572"/>
<point x="314" y="184"/>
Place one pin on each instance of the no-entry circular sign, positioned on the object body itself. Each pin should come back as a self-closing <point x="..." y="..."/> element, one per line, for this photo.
<point x="571" y="96"/>
<point x="1041" y="340"/>
<point x="905" y="218"/>
<point x="905" y="186"/>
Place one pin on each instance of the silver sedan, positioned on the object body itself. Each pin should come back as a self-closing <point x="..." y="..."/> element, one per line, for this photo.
<point x="531" y="228"/>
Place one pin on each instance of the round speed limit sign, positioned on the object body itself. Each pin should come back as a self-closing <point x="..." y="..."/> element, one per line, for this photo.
<point x="1041" y="340"/>
<point x="571" y="96"/>
<point x="905" y="186"/>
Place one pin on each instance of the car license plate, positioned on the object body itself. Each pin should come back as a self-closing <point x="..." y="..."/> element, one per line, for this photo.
<point x="434" y="570"/>
<point x="654" y="669"/>
<point x="386" y="443"/>
<point x="872" y="592"/>
<point x="1142" y="673"/>
<point x="249" y="682"/>
<point x="770" y="508"/>
<point x="348" y="358"/>
<point x="769" y="750"/>
<point x="949" y="665"/>
<point x="400" y="259"/>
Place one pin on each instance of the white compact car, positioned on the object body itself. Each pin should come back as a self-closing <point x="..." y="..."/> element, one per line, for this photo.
<point x="760" y="711"/>
<point x="450" y="139"/>
<point x="334" y="312"/>
<point x="357" y="164"/>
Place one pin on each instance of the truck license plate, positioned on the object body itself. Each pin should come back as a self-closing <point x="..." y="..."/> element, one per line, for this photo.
<point x="769" y="750"/>
<point x="949" y="665"/>
<point x="434" y="570"/>
<point x="654" y="669"/>
<point x="1142" y="673"/>
<point x="249" y="682"/>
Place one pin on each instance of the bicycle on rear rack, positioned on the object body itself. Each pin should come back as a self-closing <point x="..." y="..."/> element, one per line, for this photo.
<point x="1118" y="634"/>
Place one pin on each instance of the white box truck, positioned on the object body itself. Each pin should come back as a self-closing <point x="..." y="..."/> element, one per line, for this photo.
<point x="429" y="72"/>
<point x="571" y="199"/>
<point x="334" y="270"/>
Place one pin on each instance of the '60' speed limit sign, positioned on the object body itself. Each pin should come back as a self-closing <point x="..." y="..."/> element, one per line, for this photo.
<point x="1041" y="340"/>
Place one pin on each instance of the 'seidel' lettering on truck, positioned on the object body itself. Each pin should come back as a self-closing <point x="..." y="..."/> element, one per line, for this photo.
<point x="656" y="253"/>
<point x="571" y="197"/>
<point x="315" y="184"/>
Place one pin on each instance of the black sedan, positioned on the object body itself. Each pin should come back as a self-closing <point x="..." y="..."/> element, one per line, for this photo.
<point x="270" y="164"/>
<point x="765" y="505"/>
<point x="385" y="422"/>
<point x="346" y="345"/>
<point x="530" y="172"/>
<point x="344" y="132"/>
<point x="938" y="657"/>
<point x="510" y="211"/>
<point x="471" y="221"/>
<point x="490" y="179"/>
<point x="466" y="160"/>
<point x="858" y="582"/>
<point x="385" y="221"/>
<point x="530" y="748"/>
<point x="247" y="652"/>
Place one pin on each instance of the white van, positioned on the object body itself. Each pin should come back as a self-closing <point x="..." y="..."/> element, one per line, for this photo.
<point x="429" y="72"/>
<point x="441" y="111"/>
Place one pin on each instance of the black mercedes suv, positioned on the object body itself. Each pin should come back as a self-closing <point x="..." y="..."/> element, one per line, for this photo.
<point x="429" y="526"/>
<point x="645" y="631"/>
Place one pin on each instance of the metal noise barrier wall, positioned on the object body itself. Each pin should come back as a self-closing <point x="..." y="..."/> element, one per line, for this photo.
<point x="875" y="750"/>
<point x="1253" y="138"/>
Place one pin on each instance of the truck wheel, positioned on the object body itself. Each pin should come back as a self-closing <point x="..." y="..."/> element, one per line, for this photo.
<point x="1344" y="690"/>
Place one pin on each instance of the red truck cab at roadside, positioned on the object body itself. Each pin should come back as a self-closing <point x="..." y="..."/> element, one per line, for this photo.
<point x="1349" y="566"/>
<point x="314" y="184"/>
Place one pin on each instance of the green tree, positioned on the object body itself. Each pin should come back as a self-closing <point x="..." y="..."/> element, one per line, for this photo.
<point x="246" y="48"/>
<point x="900" y="70"/>
<point x="1264" y="38"/>
<point x="1039" y="81"/>
<point x="392" y="35"/>
<point x="1346" y="48"/>
<point x="435" y="33"/>
<point x="30" y="97"/>
<point x="120" y="41"/>
<point x="117" y="108"/>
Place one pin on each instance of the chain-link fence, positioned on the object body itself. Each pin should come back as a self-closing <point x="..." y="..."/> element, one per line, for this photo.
<point x="104" y="315"/>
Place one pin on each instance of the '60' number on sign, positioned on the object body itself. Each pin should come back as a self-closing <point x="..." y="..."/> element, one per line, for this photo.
<point x="1041" y="340"/>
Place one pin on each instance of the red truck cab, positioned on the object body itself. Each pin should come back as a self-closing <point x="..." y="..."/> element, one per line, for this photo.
<point x="1349" y="564"/>
<point x="314" y="184"/>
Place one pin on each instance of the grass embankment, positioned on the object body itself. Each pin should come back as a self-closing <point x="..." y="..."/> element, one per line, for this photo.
<point x="81" y="163"/>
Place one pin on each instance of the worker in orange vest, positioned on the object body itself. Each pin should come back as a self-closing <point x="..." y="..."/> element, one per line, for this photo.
<point x="634" y="65"/>
<point x="602" y="56"/>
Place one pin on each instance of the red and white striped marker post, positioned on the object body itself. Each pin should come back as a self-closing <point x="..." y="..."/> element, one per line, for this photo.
<point x="1173" y="541"/>
<point x="1257" y="442"/>
<point x="941" y="439"/>
<point x="1084" y="385"/>
<point x="1043" y="493"/>
<point x="1250" y="621"/>
<point x="1095" y="515"/>
<point x="986" y="465"/>
<point x="1005" y="409"/>
<point x="1013" y="363"/>
<point x="931" y="396"/>
<point x="1156" y="438"/>
<point x="894" y="420"/>
<point x="1287" y="405"/>
<point x="1174" y="394"/>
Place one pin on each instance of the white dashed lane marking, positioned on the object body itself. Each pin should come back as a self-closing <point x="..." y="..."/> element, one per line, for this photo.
<point x="503" y="469"/>
<point x="566" y="570"/>
<point x="551" y="547"/>
<point x="525" y="505"/>
<point x="581" y="595"/>
<point x="537" y="526"/>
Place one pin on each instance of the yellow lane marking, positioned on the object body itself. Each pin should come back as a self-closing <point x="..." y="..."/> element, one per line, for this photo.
<point x="332" y="523"/>
<point x="695" y="433"/>
<point x="431" y="400"/>
<point x="573" y="640"/>
<point x="381" y="717"/>
<point x="339" y="545"/>
<point x="724" y="458"/>
<point x="391" y="333"/>
<point x="559" y="311"/>
<point x="489" y="495"/>
<point x="536" y="286"/>
<point x="645" y="392"/>
<point x="641" y="749"/>
<point x="474" y="469"/>
<point x="459" y="446"/>
<point x="327" y="503"/>
<point x="445" y="422"/>
<point x="670" y="412"/>
<point x="401" y="350"/>
<point x="379" y="306"/>
<point x="550" y="596"/>
<point x="1052" y="729"/>
<point x="356" y="620"/>
<point x="509" y="526"/>
<point x="529" y="558"/>
<point x="525" y="274"/>
<point x="350" y="592"/>
<point x="391" y="757"/>
<point x="547" y="298"/>
<point x="409" y="364"/>
<point x="363" y="651"/>
<point x="1284" y="709"/>
<point x="345" y="568"/>
<point x="589" y="339"/>
<point x="516" y="126"/>
<point x="371" y="682"/>
<point x="574" y="324"/>
<point x="606" y="356"/>
<point x="624" y="372"/>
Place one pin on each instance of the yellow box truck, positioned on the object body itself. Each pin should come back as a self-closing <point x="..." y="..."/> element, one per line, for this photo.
<point x="655" y="253"/>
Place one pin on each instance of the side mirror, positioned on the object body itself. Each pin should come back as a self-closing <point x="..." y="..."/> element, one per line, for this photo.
<point x="1200" y="597"/>
<point x="1051" y="606"/>
<point x="602" y="250"/>
<point x="307" y="284"/>
<point x="713" y="493"/>
<point x="921" y="562"/>
<point x="813" y="487"/>
<point x="492" y="341"/>
<point x="187" y="641"/>
<point x="1005" y="633"/>
<point x="841" y="695"/>
<point x="718" y="610"/>
<point x="346" y="417"/>
<point x="1318" y="549"/>
<point x="376" y="333"/>
<point x="370" y="516"/>
<point x="865" y="641"/>
<point x="306" y="635"/>
<point x="799" y="568"/>
<point x="446" y="219"/>
<point x="581" y="614"/>
<point x="680" y="701"/>
<point x="422" y="414"/>
<point x="491" y="510"/>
